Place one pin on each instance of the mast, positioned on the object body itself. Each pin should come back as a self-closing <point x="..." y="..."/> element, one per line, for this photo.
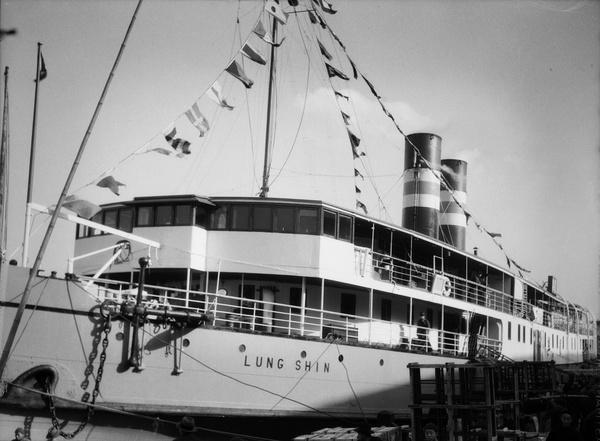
<point x="31" y="161"/>
<point x="4" y="173"/>
<point x="269" y="130"/>
<point x="38" y="261"/>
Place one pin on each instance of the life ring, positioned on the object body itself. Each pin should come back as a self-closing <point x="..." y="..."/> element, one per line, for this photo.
<point x="447" y="289"/>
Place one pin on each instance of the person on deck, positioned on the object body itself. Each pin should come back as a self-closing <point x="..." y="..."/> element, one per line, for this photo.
<point x="20" y="435"/>
<point x="564" y="432"/>
<point x="430" y="432"/>
<point x="365" y="433"/>
<point x="187" y="427"/>
<point x="423" y="326"/>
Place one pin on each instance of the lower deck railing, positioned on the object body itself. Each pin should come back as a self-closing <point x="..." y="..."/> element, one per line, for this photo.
<point x="241" y="314"/>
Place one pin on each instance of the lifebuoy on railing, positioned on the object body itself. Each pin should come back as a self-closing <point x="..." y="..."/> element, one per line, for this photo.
<point x="447" y="289"/>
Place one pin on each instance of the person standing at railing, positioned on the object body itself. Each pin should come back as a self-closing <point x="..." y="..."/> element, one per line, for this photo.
<point x="423" y="326"/>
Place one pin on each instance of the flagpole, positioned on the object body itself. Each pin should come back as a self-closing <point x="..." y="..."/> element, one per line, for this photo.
<point x="31" y="162"/>
<point x="36" y="266"/>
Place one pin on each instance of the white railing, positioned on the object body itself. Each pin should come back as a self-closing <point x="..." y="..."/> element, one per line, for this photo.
<point x="257" y="315"/>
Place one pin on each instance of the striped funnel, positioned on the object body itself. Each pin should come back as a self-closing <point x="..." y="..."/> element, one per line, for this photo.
<point x="421" y="204"/>
<point x="453" y="221"/>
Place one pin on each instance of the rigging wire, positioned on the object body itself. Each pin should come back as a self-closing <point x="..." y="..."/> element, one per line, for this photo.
<point x="306" y="372"/>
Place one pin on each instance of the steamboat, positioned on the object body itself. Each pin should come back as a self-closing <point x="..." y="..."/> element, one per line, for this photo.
<point x="262" y="305"/>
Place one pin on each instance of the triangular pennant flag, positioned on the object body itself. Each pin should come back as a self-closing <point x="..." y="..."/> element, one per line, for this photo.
<point x="520" y="267"/>
<point x="340" y="95"/>
<point x="324" y="51"/>
<point x="327" y="7"/>
<point x="293" y="3"/>
<point x="251" y="53"/>
<point x="312" y="17"/>
<point x="354" y="140"/>
<point x="320" y="19"/>
<point x="236" y="70"/>
<point x="346" y="118"/>
<point x="178" y="144"/>
<point x="273" y="8"/>
<point x="164" y="151"/>
<point x="197" y="119"/>
<point x="337" y="39"/>
<point x="357" y="173"/>
<point x="333" y="72"/>
<point x="357" y="154"/>
<point x="110" y="183"/>
<point x="355" y="72"/>
<point x="371" y="87"/>
<point x="83" y="208"/>
<point x="362" y="206"/>
<point x="259" y="30"/>
<point x="357" y="190"/>
<point x="493" y="234"/>
<point x="214" y="93"/>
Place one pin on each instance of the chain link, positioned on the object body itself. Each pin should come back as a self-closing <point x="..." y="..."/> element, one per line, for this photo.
<point x="95" y="392"/>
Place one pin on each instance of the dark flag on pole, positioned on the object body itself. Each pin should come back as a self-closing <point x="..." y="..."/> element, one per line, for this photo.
<point x="43" y="71"/>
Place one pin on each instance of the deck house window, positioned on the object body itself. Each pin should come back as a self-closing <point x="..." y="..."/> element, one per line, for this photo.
<point x="144" y="217"/>
<point x="295" y="300"/>
<point x="307" y="220"/>
<point x="183" y="214"/>
<point x="348" y="304"/>
<point x="329" y="223"/>
<point x="345" y="228"/>
<point x="262" y="216"/>
<point x="126" y="219"/>
<point x="240" y="217"/>
<point x="386" y="310"/>
<point x="284" y="219"/>
<point x="164" y="215"/>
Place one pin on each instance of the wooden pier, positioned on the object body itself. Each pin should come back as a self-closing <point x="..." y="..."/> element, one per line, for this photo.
<point x="476" y="401"/>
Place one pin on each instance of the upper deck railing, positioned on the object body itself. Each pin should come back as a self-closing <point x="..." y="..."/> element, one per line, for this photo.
<point x="383" y="267"/>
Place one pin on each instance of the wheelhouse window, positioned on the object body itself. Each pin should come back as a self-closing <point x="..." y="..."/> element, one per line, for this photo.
<point x="240" y="217"/>
<point x="144" y="216"/>
<point x="284" y="219"/>
<point x="262" y="216"/>
<point x="183" y="214"/>
<point x="307" y="220"/>
<point x="164" y="215"/>
<point x="201" y="217"/>
<point x="126" y="219"/>
<point x="345" y="228"/>
<point x="98" y="219"/>
<point x="218" y="219"/>
<point x="110" y="218"/>
<point x="329" y="223"/>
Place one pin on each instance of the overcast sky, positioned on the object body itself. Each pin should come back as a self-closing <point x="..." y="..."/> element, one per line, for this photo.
<point x="512" y="87"/>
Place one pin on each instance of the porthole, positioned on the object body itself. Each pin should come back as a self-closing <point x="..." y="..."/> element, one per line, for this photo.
<point x="303" y="354"/>
<point x="341" y="358"/>
<point x="119" y="336"/>
<point x="186" y="343"/>
<point x="242" y="348"/>
<point x="381" y="362"/>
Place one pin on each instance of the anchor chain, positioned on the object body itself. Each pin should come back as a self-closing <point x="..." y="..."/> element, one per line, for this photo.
<point x="95" y="392"/>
